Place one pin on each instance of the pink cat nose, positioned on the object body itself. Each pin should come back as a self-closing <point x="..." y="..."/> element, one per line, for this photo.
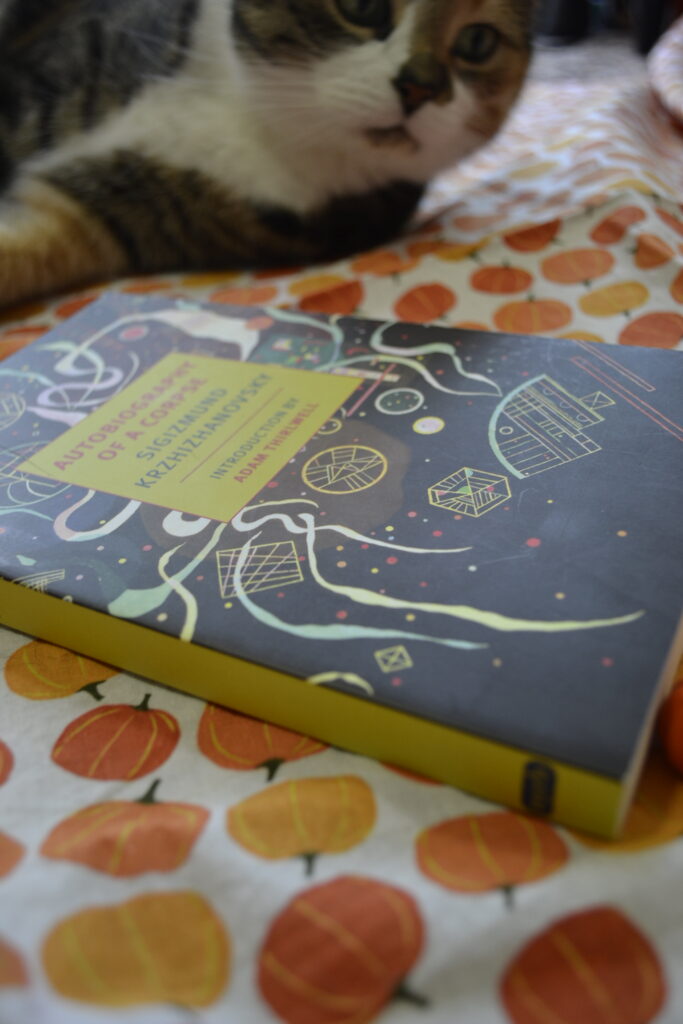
<point x="422" y="80"/>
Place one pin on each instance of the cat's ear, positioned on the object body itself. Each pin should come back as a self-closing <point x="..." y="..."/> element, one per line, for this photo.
<point x="49" y="242"/>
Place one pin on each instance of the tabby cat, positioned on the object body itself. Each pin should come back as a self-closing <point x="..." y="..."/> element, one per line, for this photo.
<point x="150" y="135"/>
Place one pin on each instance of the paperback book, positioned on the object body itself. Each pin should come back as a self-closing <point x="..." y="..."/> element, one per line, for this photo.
<point x="452" y="550"/>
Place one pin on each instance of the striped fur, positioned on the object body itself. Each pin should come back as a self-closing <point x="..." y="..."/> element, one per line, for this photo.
<point x="150" y="135"/>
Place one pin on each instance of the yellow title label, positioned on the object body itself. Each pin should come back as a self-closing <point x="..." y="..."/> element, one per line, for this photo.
<point x="195" y="434"/>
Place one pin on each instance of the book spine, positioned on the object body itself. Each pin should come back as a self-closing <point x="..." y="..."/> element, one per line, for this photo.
<point x="495" y="771"/>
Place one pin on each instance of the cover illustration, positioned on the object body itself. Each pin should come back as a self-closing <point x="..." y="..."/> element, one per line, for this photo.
<point x="480" y="530"/>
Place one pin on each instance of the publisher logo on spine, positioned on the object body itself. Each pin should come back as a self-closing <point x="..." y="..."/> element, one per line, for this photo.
<point x="538" y="787"/>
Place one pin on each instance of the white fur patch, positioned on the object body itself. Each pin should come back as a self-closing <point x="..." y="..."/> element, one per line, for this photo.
<point x="290" y="137"/>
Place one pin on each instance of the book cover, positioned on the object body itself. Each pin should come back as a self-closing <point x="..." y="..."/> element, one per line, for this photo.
<point x="455" y="550"/>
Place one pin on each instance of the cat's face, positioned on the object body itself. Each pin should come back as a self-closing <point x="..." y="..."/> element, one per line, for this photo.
<point x="417" y="83"/>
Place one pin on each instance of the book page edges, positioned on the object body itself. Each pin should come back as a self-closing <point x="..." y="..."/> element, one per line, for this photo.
<point x="485" y="768"/>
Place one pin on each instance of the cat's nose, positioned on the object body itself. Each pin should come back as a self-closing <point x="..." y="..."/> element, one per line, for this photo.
<point x="422" y="80"/>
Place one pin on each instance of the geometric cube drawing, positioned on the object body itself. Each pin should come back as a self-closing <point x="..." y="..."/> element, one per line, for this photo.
<point x="267" y="566"/>
<point x="470" y="492"/>
<point x="393" y="659"/>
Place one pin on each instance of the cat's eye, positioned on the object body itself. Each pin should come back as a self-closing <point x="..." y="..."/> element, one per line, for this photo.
<point x="366" y="13"/>
<point x="476" y="44"/>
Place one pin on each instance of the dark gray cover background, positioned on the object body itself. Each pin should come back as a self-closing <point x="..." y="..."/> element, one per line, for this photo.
<point x="576" y="696"/>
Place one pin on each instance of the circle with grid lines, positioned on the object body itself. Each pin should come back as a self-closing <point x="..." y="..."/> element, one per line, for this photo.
<point x="345" y="469"/>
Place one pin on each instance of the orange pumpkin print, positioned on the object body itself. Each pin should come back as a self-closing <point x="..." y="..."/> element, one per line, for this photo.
<point x="41" y="671"/>
<point x="259" y="323"/>
<point x="577" y="266"/>
<point x="12" y="968"/>
<point x="654" y="330"/>
<point x="425" y="247"/>
<point x="614" y="299"/>
<point x="612" y="228"/>
<point x="247" y="295"/>
<point x="73" y="306"/>
<point x="16" y="338"/>
<point x="471" y="325"/>
<point x="6" y="762"/>
<point x="652" y="252"/>
<point x="304" y="818"/>
<point x="591" y="967"/>
<point x="672" y="222"/>
<point x="145" y="287"/>
<point x="125" y="838"/>
<point x="339" y="952"/>
<point x="470" y="223"/>
<point x="314" y="283"/>
<point x="425" y="302"/>
<point x="670" y="727"/>
<point x="455" y="253"/>
<point x="503" y="280"/>
<point x="676" y="288"/>
<point x="244" y="744"/>
<point x="535" y="316"/>
<point x="383" y="263"/>
<point x="482" y="852"/>
<point x="161" y="947"/>
<point x="11" y="853"/>
<point x="655" y="816"/>
<point x="341" y="300"/>
<point x="533" y="239"/>
<point x="117" y="742"/>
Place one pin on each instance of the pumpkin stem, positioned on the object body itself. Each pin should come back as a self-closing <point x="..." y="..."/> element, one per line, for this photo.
<point x="508" y="892"/>
<point x="272" y="767"/>
<point x="309" y="860"/>
<point x="406" y="995"/>
<point x="150" y="796"/>
<point x="91" y="688"/>
<point x="144" y="703"/>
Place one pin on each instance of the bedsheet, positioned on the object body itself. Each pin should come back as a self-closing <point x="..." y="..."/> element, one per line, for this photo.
<point x="228" y="871"/>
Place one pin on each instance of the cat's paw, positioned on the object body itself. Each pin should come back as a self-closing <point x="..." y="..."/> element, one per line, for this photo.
<point x="49" y="243"/>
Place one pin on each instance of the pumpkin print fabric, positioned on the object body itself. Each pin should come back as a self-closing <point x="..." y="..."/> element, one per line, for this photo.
<point x="41" y="671"/>
<point x="125" y="838"/>
<point x="117" y="741"/>
<point x="156" y="851"/>
<point x="368" y="936"/>
<point x="170" y="947"/>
